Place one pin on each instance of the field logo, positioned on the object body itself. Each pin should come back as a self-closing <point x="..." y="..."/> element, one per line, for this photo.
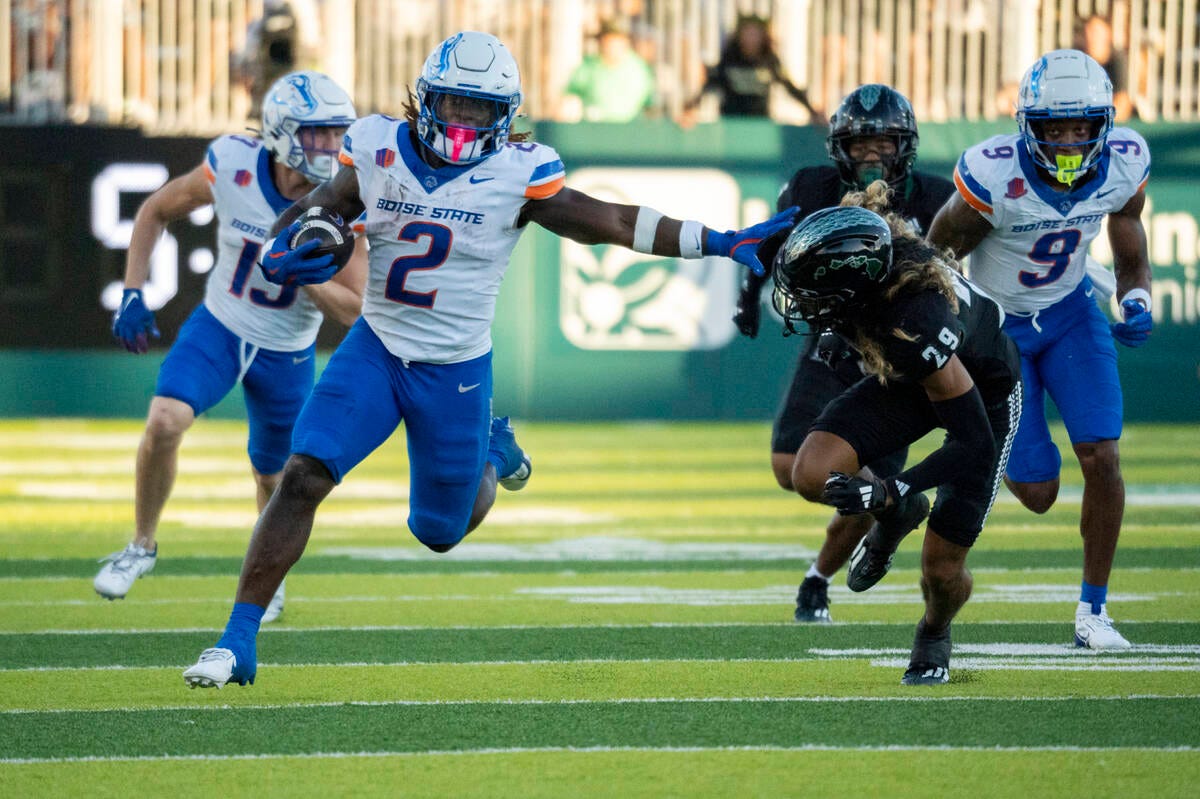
<point x="613" y="298"/>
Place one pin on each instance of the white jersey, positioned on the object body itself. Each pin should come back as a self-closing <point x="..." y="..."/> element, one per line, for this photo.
<point x="1036" y="255"/>
<point x="440" y="240"/>
<point x="273" y="317"/>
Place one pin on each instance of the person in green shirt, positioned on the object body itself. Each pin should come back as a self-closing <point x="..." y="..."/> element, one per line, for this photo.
<point x="613" y="85"/>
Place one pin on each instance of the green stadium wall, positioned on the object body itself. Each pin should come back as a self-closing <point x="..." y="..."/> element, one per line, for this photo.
<point x="581" y="332"/>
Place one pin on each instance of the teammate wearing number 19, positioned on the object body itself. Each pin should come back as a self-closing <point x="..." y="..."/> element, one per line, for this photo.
<point x="247" y="330"/>
<point x="1028" y="206"/>
<point x="447" y="192"/>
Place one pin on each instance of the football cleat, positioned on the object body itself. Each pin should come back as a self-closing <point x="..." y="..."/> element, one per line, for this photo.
<point x="1096" y="630"/>
<point x="217" y="667"/>
<point x="812" y="602"/>
<point x="515" y="468"/>
<point x="121" y="569"/>
<point x="275" y="607"/>
<point x="872" y="558"/>
<point x="930" y="661"/>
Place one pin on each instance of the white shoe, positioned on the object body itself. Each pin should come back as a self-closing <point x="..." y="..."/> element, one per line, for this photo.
<point x="213" y="670"/>
<point x="275" y="608"/>
<point x="1095" y="630"/>
<point x="121" y="569"/>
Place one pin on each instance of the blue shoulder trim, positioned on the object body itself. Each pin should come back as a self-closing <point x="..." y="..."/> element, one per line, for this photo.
<point x="970" y="182"/>
<point x="547" y="170"/>
<point x="266" y="184"/>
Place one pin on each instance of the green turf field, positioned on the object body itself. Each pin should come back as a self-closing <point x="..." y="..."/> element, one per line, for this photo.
<point x="620" y="628"/>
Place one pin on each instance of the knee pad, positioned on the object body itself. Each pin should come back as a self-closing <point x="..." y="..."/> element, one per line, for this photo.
<point x="957" y="520"/>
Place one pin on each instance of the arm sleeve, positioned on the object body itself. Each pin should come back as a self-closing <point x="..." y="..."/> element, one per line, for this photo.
<point x="969" y="443"/>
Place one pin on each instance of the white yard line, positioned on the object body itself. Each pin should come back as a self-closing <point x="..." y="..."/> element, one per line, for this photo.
<point x="601" y="750"/>
<point x="814" y="700"/>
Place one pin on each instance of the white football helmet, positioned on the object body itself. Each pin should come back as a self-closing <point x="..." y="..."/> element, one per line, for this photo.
<point x="1065" y="84"/>
<point x="300" y="100"/>
<point x="475" y="74"/>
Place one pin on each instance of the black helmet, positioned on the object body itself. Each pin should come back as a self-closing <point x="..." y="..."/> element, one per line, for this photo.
<point x="832" y="261"/>
<point x="874" y="110"/>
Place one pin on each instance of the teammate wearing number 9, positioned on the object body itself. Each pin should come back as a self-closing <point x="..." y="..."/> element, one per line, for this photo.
<point x="1028" y="206"/>
<point x="447" y="191"/>
<point x="247" y="330"/>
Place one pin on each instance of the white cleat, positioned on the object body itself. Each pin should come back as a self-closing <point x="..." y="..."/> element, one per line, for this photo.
<point x="121" y="570"/>
<point x="1096" y="630"/>
<point x="275" y="608"/>
<point x="213" y="670"/>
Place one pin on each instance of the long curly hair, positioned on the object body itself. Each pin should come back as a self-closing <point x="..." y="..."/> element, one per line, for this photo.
<point x="916" y="266"/>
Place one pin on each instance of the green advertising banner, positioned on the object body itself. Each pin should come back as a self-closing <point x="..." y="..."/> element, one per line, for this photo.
<point x="600" y="332"/>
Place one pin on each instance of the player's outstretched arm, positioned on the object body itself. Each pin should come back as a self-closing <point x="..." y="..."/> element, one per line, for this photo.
<point x="1131" y="263"/>
<point x="583" y="218"/>
<point x="958" y="227"/>
<point x="133" y="323"/>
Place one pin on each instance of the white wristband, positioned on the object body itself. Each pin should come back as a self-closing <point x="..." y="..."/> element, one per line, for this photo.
<point x="644" y="230"/>
<point x="689" y="239"/>
<point x="1141" y="295"/>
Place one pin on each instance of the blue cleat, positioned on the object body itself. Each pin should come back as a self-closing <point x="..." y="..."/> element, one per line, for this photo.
<point x="513" y="466"/>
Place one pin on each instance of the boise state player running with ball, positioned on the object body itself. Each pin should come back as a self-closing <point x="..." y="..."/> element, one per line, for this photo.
<point x="447" y="192"/>
<point x="247" y="330"/>
<point x="1028" y="206"/>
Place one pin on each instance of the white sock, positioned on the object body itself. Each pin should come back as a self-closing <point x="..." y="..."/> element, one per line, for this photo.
<point x="812" y="572"/>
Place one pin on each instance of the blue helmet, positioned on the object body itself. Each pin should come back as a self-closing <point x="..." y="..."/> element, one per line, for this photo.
<point x="1065" y="84"/>
<point x="475" y="71"/>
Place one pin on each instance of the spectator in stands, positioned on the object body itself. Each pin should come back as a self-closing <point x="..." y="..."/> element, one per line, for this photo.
<point x="613" y="85"/>
<point x="275" y="45"/>
<point x="744" y="74"/>
<point x="1094" y="36"/>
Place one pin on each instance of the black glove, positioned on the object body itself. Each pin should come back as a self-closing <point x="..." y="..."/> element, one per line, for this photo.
<point x="852" y="495"/>
<point x="749" y="306"/>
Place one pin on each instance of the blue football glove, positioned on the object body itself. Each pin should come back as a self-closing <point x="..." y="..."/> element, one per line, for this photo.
<point x="281" y="265"/>
<point x="1135" y="330"/>
<point x="742" y="245"/>
<point x="133" y="323"/>
<point x="851" y="494"/>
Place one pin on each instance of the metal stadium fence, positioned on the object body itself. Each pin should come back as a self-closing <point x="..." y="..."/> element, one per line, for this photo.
<point x="175" y="66"/>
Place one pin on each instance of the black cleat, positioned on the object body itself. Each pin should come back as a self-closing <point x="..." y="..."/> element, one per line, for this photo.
<point x="812" y="603"/>
<point x="873" y="556"/>
<point x="930" y="661"/>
